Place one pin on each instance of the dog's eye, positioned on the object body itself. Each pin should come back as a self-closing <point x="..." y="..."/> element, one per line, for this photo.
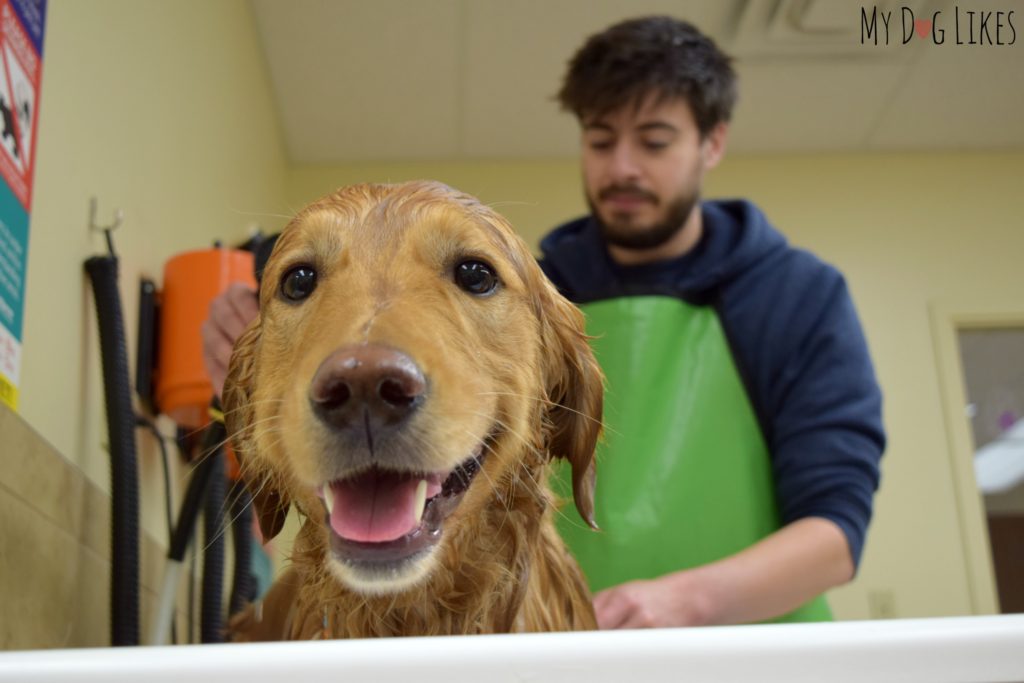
<point x="298" y="283"/>
<point x="476" y="277"/>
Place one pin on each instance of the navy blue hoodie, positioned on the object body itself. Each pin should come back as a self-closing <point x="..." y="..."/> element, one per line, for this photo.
<point x="795" y="339"/>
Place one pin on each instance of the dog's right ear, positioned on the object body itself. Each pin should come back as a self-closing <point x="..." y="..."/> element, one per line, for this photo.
<point x="271" y="504"/>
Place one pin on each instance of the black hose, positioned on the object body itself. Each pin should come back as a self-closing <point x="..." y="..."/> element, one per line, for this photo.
<point x="192" y="597"/>
<point x="243" y="585"/>
<point x="207" y="465"/>
<point x="124" y="489"/>
<point x="212" y="613"/>
<point x="165" y="460"/>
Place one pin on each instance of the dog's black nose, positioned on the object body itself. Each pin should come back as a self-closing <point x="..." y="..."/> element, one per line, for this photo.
<point x="371" y="383"/>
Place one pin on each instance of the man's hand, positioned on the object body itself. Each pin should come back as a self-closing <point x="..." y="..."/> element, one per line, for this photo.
<point x="230" y="313"/>
<point x="659" y="603"/>
<point x="770" y="578"/>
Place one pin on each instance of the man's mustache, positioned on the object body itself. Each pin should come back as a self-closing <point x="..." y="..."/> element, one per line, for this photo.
<point x="627" y="191"/>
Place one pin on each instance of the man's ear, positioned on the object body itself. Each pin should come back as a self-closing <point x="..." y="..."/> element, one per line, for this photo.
<point x="575" y="393"/>
<point x="713" y="145"/>
<point x="270" y="503"/>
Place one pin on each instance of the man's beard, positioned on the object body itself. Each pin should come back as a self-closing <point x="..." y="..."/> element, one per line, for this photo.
<point x="624" y="234"/>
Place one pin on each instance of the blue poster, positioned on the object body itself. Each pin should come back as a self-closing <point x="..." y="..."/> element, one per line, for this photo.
<point x="13" y="260"/>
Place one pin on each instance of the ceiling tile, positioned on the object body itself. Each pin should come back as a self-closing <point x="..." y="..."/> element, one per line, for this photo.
<point x="958" y="96"/>
<point x="810" y="106"/>
<point x="364" y="80"/>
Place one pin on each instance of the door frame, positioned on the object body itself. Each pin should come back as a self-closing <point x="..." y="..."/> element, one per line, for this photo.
<point x="947" y="319"/>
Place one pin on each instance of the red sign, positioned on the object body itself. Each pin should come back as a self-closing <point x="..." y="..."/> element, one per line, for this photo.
<point x="19" y="104"/>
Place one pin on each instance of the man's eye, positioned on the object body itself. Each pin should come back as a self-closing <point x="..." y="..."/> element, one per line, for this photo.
<point x="655" y="145"/>
<point x="476" y="277"/>
<point x="298" y="283"/>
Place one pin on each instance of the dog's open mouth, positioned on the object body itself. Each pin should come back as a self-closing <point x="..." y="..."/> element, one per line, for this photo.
<point x="383" y="516"/>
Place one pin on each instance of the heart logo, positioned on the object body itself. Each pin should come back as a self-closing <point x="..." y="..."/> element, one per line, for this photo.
<point x="922" y="27"/>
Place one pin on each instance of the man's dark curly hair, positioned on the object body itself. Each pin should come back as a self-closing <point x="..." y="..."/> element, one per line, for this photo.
<point x="659" y="56"/>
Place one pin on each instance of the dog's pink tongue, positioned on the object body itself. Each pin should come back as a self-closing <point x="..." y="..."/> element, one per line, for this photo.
<point x="374" y="507"/>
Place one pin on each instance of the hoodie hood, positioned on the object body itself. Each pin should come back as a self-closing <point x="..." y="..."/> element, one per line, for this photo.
<point x="736" y="236"/>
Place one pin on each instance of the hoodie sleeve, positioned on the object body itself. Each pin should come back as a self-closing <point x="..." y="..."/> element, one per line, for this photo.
<point x="800" y="347"/>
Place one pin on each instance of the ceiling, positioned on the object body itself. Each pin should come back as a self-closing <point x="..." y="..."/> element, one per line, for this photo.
<point x="392" y="80"/>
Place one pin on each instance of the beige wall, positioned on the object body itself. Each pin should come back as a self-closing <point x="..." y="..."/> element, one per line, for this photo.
<point x="909" y="231"/>
<point x="164" y="110"/>
<point x="533" y="195"/>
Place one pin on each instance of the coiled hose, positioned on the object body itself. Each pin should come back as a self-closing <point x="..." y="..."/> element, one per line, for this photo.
<point x="124" y="488"/>
<point x="243" y="586"/>
<point x="211" y="628"/>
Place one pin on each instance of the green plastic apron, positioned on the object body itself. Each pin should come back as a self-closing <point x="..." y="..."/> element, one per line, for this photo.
<point x="683" y="473"/>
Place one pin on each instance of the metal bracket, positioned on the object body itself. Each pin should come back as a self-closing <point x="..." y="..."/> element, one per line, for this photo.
<point x="105" y="229"/>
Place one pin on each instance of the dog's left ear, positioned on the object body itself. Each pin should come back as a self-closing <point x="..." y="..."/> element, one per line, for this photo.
<point x="271" y="505"/>
<point x="575" y="392"/>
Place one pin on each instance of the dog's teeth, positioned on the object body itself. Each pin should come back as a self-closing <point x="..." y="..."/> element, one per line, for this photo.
<point x="328" y="498"/>
<point x="421" y="499"/>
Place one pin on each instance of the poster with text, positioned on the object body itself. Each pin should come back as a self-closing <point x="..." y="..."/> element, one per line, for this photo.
<point x="21" y="58"/>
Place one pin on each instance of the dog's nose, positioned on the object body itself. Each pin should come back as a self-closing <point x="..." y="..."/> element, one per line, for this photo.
<point x="361" y="383"/>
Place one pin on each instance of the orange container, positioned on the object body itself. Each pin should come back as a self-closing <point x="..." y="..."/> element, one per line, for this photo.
<point x="191" y="281"/>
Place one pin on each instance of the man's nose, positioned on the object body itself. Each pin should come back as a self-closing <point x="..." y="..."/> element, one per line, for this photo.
<point x="624" y="164"/>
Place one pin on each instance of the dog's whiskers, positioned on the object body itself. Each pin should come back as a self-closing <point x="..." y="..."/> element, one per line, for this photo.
<point x="557" y="508"/>
<point x="508" y="429"/>
<point x="553" y="404"/>
<point x="192" y="432"/>
<point x="262" y="214"/>
<point x="208" y="452"/>
<point x="480" y="466"/>
<point x="244" y="466"/>
<point x="226" y="504"/>
<point x="226" y="525"/>
<point x="252" y="404"/>
<point x="510" y="202"/>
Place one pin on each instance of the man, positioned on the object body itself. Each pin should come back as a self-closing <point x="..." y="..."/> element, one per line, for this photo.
<point x="743" y="417"/>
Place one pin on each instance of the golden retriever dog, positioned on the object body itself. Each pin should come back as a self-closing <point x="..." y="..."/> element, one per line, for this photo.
<point x="408" y="379"/>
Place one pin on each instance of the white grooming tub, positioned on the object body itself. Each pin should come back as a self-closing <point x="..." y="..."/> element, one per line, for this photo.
<point x="962" y="649"/>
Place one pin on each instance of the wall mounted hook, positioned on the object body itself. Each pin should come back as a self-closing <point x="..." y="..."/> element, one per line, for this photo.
<point x="106" y="229"/>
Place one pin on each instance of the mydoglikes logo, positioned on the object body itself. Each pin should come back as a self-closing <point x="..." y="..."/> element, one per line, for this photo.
<point x="964" y="27"/>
